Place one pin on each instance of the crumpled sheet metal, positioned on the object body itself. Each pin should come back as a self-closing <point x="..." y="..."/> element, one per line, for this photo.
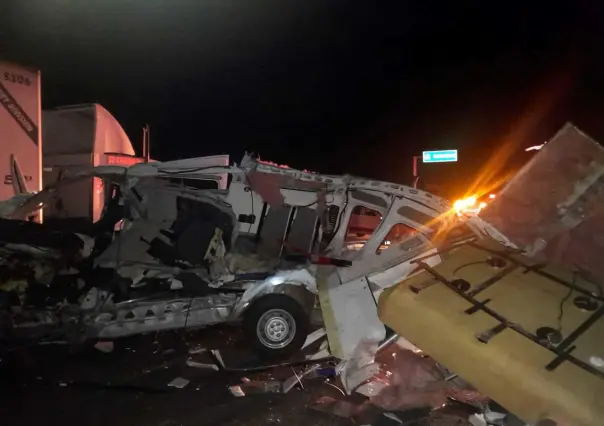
<point x="414" y="381"/>
<point x="10" y="206"/>
<point x="554" y="207"/>
<point x="361" y="366"/>
<point x="296" y="277"/>
<point x="269" y="185"/>
<point x="400" y="379"/>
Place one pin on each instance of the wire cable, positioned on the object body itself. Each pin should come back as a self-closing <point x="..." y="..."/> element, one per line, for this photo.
<point x="467" y="264"/>
<point x="562" y="302"/>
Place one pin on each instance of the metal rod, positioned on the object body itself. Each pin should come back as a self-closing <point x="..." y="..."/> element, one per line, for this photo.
<point x="415" y="166"/>
<point x="388" y="342"/>
<point x="581" y="329"/>
<point x="415" y="174"/>
<point x="493" y="280"/>
<point x="539" y="272"/>
<point x="144" y="142"/>
<point x="520" y="330"/>
<point x="148" y="149"/>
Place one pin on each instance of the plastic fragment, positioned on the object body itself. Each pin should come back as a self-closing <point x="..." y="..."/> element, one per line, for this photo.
<point x="393" y="417"/>
<point x="179" y="383"/>
<point x="218" y="357"/>
<point x="196" y="364"/>
<point x="313" y="337"/>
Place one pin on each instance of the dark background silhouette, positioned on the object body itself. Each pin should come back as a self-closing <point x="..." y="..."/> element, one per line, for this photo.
<point x="331" y="86"/>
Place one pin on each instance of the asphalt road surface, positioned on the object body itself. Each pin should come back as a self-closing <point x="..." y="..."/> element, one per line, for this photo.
<point x="61" y="385"/>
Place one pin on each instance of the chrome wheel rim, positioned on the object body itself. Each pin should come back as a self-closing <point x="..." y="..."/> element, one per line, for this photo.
<point x="276" y="328"/>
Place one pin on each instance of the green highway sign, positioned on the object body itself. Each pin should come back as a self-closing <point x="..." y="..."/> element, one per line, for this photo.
<point x="448" y="156"/>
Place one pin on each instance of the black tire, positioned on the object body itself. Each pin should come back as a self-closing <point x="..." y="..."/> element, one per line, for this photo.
<point x="274" y="302"/>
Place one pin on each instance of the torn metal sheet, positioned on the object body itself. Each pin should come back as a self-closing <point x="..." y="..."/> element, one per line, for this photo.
<point x="372" y="388"/>
<point x="553" y="209"/>
<point x="216" y="354"/>
<point x="10" y="206"/>
<point x="277" y="283"/>
<point x="313" y="337"/>
<point x="201" y="365"/>
<point x="361" y="367"/>
<point x="349" y="307"/>
<point x="321" y="354"/>
<point x="486" y="419"/>
<point x="412" y="382"/>
<point x="179" y="383"/>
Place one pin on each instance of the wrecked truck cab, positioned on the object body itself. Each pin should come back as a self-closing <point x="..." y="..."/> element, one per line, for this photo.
<point x="177" y="260"/>
<point x="193" y="249"/>
<point x="189" y="240"/>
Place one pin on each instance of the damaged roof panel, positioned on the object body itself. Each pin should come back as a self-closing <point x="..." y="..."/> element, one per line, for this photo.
<point x="554" y="207"/>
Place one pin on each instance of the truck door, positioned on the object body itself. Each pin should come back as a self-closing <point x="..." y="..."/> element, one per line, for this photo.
<point x="349" y="295"/>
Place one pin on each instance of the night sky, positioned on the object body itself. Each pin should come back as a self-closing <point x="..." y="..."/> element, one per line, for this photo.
<point x="333" y="86"/>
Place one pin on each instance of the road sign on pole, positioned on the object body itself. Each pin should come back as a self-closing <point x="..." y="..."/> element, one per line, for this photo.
<point x="447" y="156"/>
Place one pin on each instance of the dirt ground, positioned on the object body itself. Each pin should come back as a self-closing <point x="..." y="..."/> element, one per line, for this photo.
<point x="60" y="385"/>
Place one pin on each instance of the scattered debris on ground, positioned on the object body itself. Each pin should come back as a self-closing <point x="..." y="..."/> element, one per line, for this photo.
<point x="179" y="383"/>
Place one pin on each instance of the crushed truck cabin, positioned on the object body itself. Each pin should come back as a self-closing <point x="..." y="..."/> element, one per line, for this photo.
<point x="167" y="253"/>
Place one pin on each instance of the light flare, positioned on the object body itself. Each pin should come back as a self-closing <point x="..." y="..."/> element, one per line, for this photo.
<point x="535" y="147"/>
<point x="468" y="205"/>
<point x="491" y="176"/>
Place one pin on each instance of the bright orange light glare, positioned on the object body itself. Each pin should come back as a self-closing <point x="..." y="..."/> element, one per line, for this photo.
<point x="464" y="204"/>
<point x="491" y="175"/>
<point x="492" y="196"/>
<point x="468" y="206"/>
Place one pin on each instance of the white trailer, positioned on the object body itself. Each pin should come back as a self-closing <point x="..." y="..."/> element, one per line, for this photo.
<point x="20" y="130"/>
<point x="81" y="136"/>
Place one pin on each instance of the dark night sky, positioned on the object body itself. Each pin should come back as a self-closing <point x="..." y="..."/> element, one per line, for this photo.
<point x="353" y="86"/>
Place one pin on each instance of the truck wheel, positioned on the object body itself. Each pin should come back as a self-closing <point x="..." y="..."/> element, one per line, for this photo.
<point x="277" y="325"/>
